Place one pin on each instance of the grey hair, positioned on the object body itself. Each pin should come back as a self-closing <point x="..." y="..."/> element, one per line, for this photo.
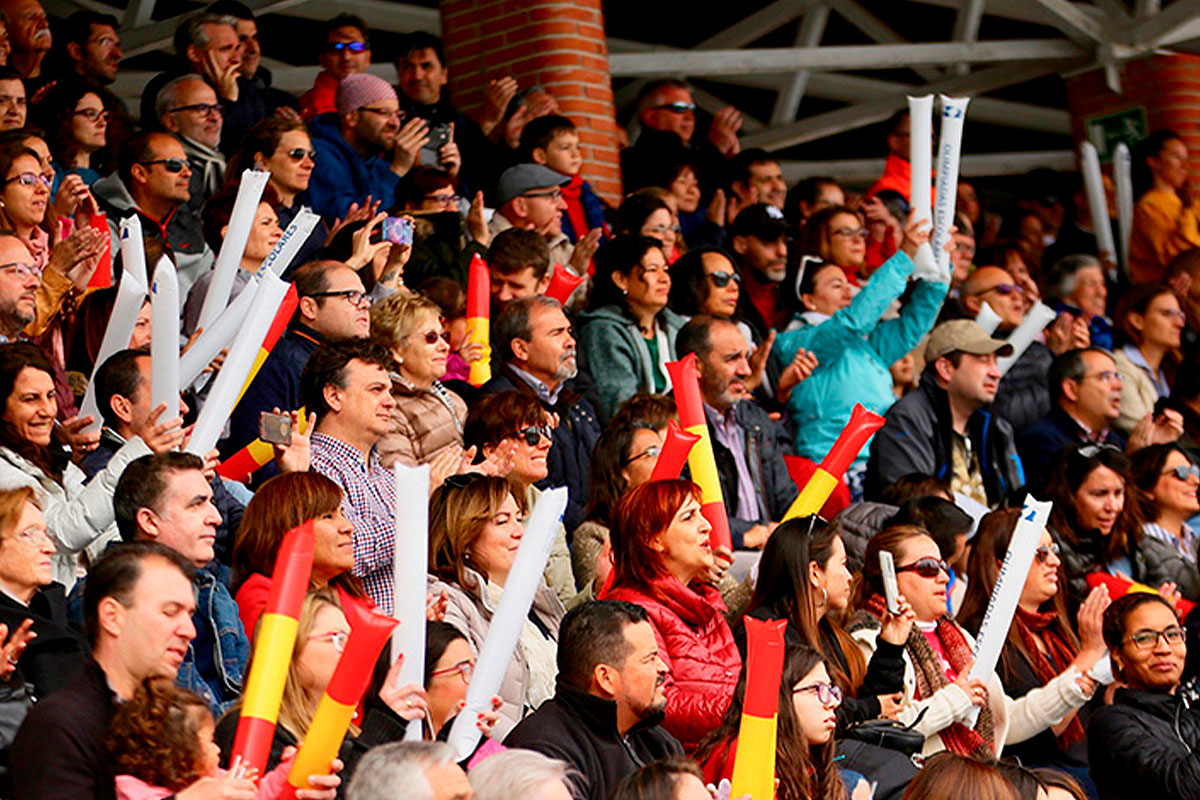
<point x="168" y="95"/>
<point x="197" y="35"/>
<point x="1063" y="274"/>
<point x="398" y="770"/>
<point x="518" y="773"/>
<point x="513" y="322"/>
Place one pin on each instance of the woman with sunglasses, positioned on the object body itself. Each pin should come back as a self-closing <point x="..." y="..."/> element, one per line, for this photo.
<point x="804" y="745"/>
<point x="76" y="126"/>
<point x="939" y="694"/>
<point x="663" y="561"/>
<point x="853" y="349"/>
<point x="1041" y="641"/>
<point x="1150" y="324"/>
<point x="1147" y="742"/>
<point x="1166" y="217"/>
<point x="1166" y="482"/>
<point x="475" y="528"/>
<point x="627" y="334"/>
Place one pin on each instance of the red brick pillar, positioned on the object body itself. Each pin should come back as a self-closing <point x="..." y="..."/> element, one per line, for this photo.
<point x="1161" y="91"/>
<point x="558" y="45"/>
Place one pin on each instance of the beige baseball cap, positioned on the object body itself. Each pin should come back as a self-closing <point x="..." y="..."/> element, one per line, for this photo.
<point x="963" y="335"/>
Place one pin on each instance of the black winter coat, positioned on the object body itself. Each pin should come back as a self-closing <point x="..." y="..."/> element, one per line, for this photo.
<point x="60" y="650"/>
<point x="1024" y="396"/>
<point x="1145" y="745"/>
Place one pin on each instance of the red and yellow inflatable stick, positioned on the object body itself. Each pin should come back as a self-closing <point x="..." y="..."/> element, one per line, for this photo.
<point x="369" y="632"/>
<point x="273" y="649"/>
<point x="849" y="444"/>
<point x="1119" y="587"/>
<point x="703" y="463"/>
<point x="479" y="304"/>
<point x="562" y="283"/>
<point x="283" y="316"/>
<point x="251" y="458"/>
<point x="674" y="453"/>
<point x="754" y="765"/>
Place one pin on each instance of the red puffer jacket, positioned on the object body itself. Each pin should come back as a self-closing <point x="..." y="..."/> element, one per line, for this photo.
<point x="697" y="645"/>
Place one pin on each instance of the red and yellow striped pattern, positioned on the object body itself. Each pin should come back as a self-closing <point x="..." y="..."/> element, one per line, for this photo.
<point x="701" y="461"/>
<point x="283" y="316"/>
<point x="754" y="765"/>
<point x="850" y="442"/>
<point x="479" y="304"/>
<point x="245" y="462"/>
<point x="676" y="448"/>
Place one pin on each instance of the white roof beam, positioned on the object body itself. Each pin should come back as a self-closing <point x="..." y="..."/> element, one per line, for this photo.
<point x="966" y="29"/>
<point x="1079" y="23"/>
<point x="844" y="57"/>
<point x="380" y="14"/>
<point x="865" y="170"/>
<point x="853" y="12"/>
<point x="787" y="102"/>
<point x="1176" y="23"/>
<point x="752" y="28"/>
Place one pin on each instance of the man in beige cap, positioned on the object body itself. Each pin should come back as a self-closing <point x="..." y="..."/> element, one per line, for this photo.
<point x="942" y="428"/>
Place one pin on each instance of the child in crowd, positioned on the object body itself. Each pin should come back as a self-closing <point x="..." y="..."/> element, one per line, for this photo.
<point x="553" y="141"/>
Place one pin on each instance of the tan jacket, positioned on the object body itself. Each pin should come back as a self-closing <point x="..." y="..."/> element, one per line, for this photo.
<point x="1138" y="394"/>
<point x="422" y="427"/>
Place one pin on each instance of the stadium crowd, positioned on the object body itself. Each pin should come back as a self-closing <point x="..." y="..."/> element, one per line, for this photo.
<point x="136" y="576"/>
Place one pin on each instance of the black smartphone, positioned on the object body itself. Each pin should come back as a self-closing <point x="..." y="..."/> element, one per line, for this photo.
<point x="275" y="428"/>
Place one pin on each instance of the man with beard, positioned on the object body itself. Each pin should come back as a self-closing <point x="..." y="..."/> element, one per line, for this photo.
<point x="362" y="148"/>
<point x="533" y="341"/>
<point x="759" y="237"/>
<point x="747" y="445"/>
<point x="18" y="284"/>
<point x="604" y="719"/>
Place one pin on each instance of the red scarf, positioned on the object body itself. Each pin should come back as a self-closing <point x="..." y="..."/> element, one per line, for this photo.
<point x="1034" y="627"/>
<point x="571" y="192"/>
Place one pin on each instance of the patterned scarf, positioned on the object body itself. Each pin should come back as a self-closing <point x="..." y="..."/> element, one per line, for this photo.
<point x="978" y="742"/>
<point x="1031" y="628"/>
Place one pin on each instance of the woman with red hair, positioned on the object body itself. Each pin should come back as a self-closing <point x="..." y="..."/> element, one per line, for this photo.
<point x="663" y="562"/>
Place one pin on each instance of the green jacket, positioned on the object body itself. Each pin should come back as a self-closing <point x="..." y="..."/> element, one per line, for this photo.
<point x="615" y="354"/>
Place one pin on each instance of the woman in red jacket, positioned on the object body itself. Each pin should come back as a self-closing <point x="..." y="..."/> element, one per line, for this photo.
<point x="664" y="563"/>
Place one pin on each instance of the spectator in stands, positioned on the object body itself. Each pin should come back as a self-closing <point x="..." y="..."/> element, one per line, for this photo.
<point x="1145" y="743"/>
<point x="29" y="596"/>
<point x="942" y="429"/>
<point x="1078" y="287"/>
<point x="362" y="147"/>
<point x="428" y="419"/>
<point x="605" y="717"/>
<point x="533" y="340"/>
<point x="280" y="504"/>
<point x="333" y="307"/>
<point x="1166" y="221"/>
<point x="345" y="49"/>
<point x="422" y="73"/>
<point x="92" y="47"/>
<point x="32" y="453"/>
<point x="444" y="243"/>
<point x="805" y="557"/>
<point x="838" y="236"/>
<point x="755" y="177"/>
<point x="187" y="107"/>
<point x="706" y="281"/>
<point x="522" y="773"/>
<point x="669" y="779"/>
<point x="519" y="262"/>
<point x="810" y="196"/>
<point x="346" y="384"/>
<point x="553" y="142"/>
<point x="754" y="478"/>
<point x="138" y="617"/>
<point x="152" y="180"/>
<point x="940" y="695"/>
<point x="76" y="122"/>
<point x="948" y="773"/>
<point x="410" y="769"/>
<point x="1151" y="322"/>
<point x="166" y="498"/>
<point x="29" y="33"/>
<point x="1085" y="396"/>
<point x="627" y="335"/>
<point x="758" y="236"/>
<point x="644" y="214"/>
<point x="1166" y="481"/>
<point x="805" y="766"/>
<point x="12" y="99"/>
<point x="283" y="148"/>
<point x="663" y="561"/>
<point x="530" y="196"/>
<point x="1042" y="642"/>
<point x="251" y="67"/>
<point x="852" y="347"/>
<point x="474" y="523"/>
<point x="897" y="171"/>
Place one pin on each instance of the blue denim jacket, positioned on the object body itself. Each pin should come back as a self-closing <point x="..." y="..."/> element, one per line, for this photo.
<point x="216" y="609"/>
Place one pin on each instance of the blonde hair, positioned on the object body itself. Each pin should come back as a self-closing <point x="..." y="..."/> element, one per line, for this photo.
<point x="12" y="505"/>
<point x="394" y="318"/>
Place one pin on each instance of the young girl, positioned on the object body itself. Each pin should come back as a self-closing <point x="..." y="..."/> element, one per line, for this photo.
<point x="161" y="742"/>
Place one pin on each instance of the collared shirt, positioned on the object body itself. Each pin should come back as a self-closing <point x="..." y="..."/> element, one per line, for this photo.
<point x="543" y="391"/>
<point x="730" y="434"/>
<point x="1186" y="543"/>
<point x="1159" y="378"/>
<point x="369" y="503"/>
<point x="1087" y="434"/>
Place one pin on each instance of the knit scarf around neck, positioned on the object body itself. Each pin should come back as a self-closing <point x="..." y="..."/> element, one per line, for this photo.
<point x="1031" y="627"/>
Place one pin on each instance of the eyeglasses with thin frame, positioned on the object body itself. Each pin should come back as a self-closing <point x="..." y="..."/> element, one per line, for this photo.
<point x="927" y="567"/>
<point x="533" y="434"/>
<point x="355" y="296"/>
<point x="827" y="694"/>
<point x="29" y="179"/>
<point x="336" y="638"/>
<point x="857" y="233"/>
<point x="1093" y="450"/>
<point x="34" y="536"/>
<point x="297" y="154"/>
<point x="1002" y="289"/>
<point x="172" y="165"/>
<point x="353" y="47"/>
<point x="721" y="278"/>
<point x="464" y="668"/>
<point x="1172" y="313"/>
<point x="1107" y="376"/>
<point x="553" y="194"/>
<point x="1174" y="636"/>
<point x="1183" y="472"/>
<point x="91" y="114"/>
<point x="677" y="108"/>
<point x="653" y="451"/>
<point x="446" y="198"/>
<point x="384" y="112"/>
<point x="1042" y="554"/>
<point x="204" y="108"/>
<point x="23" y="271"/>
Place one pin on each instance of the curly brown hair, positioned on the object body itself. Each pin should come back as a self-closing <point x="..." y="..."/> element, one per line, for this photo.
<point x="155" y="736"/>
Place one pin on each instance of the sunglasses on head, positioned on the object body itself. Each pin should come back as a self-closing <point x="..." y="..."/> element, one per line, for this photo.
<point x="298" y="154"/>
<point x="1184" y="471"/>
<point x="353" y="47"/>
<point x="1042" y="554"/>
<point x="533" y="434"/>
<point x="169" y="164"/>
<point x="721" y="278"/>
<point x="926" y="567"/>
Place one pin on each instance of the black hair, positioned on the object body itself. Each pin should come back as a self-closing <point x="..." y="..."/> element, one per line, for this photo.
<point x="422" y="40"/>
<point x="438" y="636"/>
<point x="327" y="365"/>
<point x="690" y="287"/>
<point x="541" y="132"/>
<point x="696" y="336"/>
<point x="1149" y="147"/>
<point x="345" y="21"/>
<point x="116" y="574"/>
<point x="621" y="254"/>
<point x="942" y="519"/>
<point x="594" y="633"/>
<point x="118" y="375"/>
<point x="1069" y="366"/>
<point x="143" y="483"/>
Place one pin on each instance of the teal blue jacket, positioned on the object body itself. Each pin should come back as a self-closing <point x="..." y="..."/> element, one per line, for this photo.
<point x="854" y="350"/>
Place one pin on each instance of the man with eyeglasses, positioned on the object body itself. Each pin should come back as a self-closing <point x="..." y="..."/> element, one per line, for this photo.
<point x="19" y="282"/>
<point x="746" y="442"/>
<point x="89" y="47"/>
<point x="344" y="50"/>
<point x="364" y="148"/>
<point x="333" y="308"/>
<point x="153" y="180"/>
<point x="942" y="427"/>
<point x="605" y="718"/>
<point x="534" y="343"/>
<point x="758" y="236"/>
<point x="187" y="107"/>
<point x="530" y="196"/>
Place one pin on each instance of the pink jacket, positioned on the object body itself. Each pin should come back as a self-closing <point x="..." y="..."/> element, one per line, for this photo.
<point x="272" y="786"/>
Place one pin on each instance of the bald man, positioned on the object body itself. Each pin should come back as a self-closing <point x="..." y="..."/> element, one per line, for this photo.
<point x="997" y="288"/>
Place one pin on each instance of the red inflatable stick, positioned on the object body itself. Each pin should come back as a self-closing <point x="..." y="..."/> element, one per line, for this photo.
<point x="703" y="464"/>
<point x="674" y="453"/>
<point x="562" y="283"/>
<point x="1118" y="587"/>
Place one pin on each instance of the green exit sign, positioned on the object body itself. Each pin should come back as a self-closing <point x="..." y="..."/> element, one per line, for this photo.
<point x="1106" y="132"/>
